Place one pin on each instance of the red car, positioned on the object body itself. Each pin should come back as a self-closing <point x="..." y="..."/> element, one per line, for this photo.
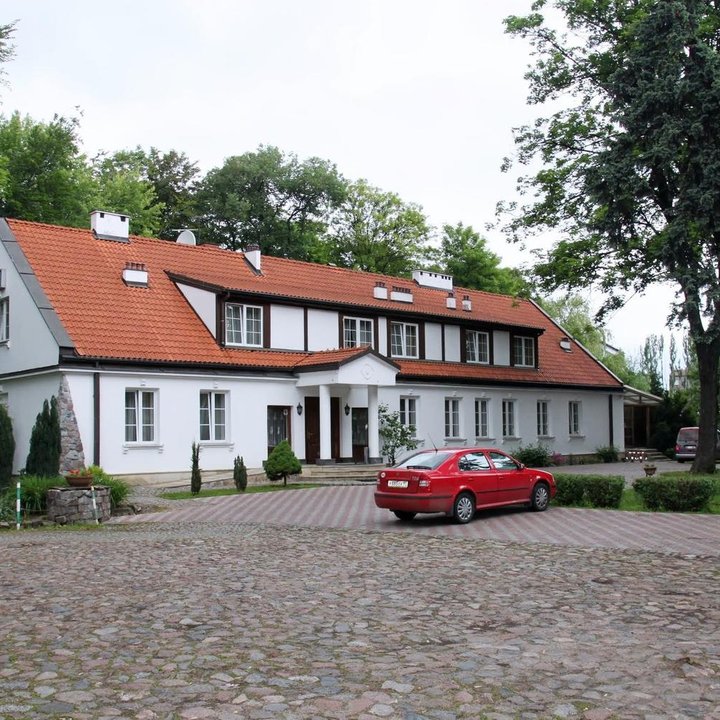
<point x="458" y="481"/>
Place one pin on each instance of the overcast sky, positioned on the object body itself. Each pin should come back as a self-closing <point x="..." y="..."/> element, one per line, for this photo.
<point x="419" y="97"/>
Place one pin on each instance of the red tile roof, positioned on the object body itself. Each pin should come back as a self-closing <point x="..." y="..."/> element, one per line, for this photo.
<point x="82" y="278"/>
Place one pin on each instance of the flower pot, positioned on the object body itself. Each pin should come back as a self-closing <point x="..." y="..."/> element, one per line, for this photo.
<point x="649" y="470"/>
<point x="79" y="481"/>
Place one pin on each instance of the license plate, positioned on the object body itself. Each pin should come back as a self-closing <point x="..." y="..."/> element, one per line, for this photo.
<point x="397" y="483"/>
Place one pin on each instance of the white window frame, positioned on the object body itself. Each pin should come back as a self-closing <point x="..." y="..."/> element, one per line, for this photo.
<point x="543" y="418"/>
<point x="145" y="433"/>
<point x="4" y="320"/>
<point x="452" y="418"/>
<point x="509" y="418"/>
<point x="232" y="321"/>
<point x="214" y="431"/>
<point x="354" y="325"/>
<point x="474" y="350"/>
<point x="408" y="412"/>
<point x="575" y="418"/>
<point x="523" y="351"/>
<point x="402" y="337"/>
<point x="482" y="418"/>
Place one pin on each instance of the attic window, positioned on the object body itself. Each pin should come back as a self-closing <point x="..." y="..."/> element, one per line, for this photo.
<point x="565" y="344"/>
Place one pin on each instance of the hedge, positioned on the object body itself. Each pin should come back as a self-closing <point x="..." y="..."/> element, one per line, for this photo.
<point x="590" y="490"/>
<point x="675" y="494"/>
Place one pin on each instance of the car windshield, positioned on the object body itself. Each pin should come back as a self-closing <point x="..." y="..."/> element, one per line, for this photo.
<point x="424" y="460"/>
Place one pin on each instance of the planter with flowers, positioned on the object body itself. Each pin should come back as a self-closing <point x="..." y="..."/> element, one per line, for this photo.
<point x="80" y="478"/>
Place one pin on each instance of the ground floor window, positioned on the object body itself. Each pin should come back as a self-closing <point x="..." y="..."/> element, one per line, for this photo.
<point x="408" y="411"/>
<point x="452" y="418"/>
<point x="574" y="417"/>
<point x="508" y="419"/>
<point x="482" y="424"/>
<point x="213" y="416"/>
<point x="140" y="416"/>
<point x="543" y="423"/>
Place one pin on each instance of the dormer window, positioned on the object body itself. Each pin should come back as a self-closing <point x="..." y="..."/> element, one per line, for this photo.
<point x="523" y="351"/>
<point x="243" y="325"/>
<point x="477" y="346"/>
<point x="357" y="332"/>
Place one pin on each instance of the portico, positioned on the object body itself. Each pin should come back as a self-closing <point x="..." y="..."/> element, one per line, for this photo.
<point x="345" y="412"/>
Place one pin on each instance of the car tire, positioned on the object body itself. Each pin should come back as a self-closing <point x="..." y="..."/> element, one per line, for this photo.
<point x="540" y="498"/>
<point x="464" y="508"/>
<point x="404" y="515"/>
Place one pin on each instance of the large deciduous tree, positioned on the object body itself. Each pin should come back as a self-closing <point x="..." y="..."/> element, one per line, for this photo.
<point x="378" y="232"/>
<point x="272" y="200"/>
<point x="630" y="160"/>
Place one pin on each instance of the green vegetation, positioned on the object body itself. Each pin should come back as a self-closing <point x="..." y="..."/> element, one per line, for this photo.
<point x="240" y="477"/>
<point x="602" y="491"/>
<point x="195" y="474"/>
<point x="608" y="453"/>
<point x="7" y="448"/>
<point x="44" y="456"/>
<point x="395" y="436"/>
<point x="533" y="455"/>
<point x="219" y="492"/>
<point x="281" y="463"/>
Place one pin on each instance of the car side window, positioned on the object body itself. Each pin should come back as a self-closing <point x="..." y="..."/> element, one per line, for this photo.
<point x="473" y="462"/>
<point x="502" y="462"/>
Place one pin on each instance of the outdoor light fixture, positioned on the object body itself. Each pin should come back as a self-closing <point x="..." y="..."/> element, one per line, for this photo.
<point x="347" y="409"/>
<point x="299" y="409"/>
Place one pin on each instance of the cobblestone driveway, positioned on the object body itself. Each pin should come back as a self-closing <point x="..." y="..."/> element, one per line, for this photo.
<point x="227" y="619"/>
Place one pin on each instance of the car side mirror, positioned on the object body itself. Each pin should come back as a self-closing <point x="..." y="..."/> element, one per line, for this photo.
<point x="521" y="466"/>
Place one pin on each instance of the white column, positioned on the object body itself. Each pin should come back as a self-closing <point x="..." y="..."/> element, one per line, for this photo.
<point x="325" y="424"/>
<point x="373" y="424"/>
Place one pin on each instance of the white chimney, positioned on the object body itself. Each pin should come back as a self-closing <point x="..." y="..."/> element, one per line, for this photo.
<point x="254" y="256"/>
<point x="380" y="291"/>
<point x="450" y="301"/>
<point x="427" y="278"/>
<point x="466" y="303"/>
<point x="110" y="226"/>
<point x="401" y="294"/>
<point x="135" y="274"/>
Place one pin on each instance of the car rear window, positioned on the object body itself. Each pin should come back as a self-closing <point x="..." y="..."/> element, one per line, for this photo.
<point x="687" y="435"/>
<point x="425" y="460"/>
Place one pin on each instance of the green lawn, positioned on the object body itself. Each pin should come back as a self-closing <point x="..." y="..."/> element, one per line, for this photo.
<point x="217" y="492"/>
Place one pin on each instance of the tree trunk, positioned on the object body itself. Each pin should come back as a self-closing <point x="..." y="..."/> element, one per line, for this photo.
<point x="708" y="355"/>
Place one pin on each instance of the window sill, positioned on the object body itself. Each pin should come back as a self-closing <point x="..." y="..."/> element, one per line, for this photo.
<point x="576" y="437"/>
<point x="455" y="441"/>
<point x="546" y="437"/>
<point x="511" y="438"/>
<point x="484" y="439"/>
<point x="217" y="444"/>
<point x="143" y="446"/>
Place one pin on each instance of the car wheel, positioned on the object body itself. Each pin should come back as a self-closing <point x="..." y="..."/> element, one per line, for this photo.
<point x="540" y="498"/>
<point x="464" y="508"/>
<point x="404" y="515"/>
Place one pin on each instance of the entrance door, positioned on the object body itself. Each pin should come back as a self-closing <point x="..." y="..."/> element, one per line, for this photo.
<point x="359" y="434"/>
<point x="278" y="425"/>
<point x="312" y="428"/>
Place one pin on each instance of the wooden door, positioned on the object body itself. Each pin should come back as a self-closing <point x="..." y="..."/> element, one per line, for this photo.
<point x="312" y="428"/>
<point x="359" y="434"/>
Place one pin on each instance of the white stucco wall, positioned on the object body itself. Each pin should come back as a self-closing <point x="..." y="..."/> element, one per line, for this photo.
<point x="382" y="336"/>
<point x="452" y="343"/>
<point x="322" y="330"/>
<point x="31" y="344"/>
<point x="287" y="327"/>
<point x="433" y="341"/>
<point x="204" y="303"/>
<point x="501" y="347"/>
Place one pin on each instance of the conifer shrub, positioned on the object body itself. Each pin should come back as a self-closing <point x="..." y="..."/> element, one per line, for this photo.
<point x="240" y="476"/>
<point x="7" y="448"/>
<point x="195" y="474"/>
<point x="44" y="456"/>
<point x="281" y="462"/>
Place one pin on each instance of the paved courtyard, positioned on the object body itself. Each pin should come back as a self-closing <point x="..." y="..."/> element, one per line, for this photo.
<point x="235" y="609"/>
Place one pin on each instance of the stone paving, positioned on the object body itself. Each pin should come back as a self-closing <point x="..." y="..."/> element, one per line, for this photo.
<point x="226" y="619"/>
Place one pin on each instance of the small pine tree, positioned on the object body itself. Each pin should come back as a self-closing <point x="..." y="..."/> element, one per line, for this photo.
<point x="44" y="456"/>
<point x="282" y="462"/>
<point x="195" y="474"/>
<point x="7" y="448"/>
<point x="240" y="474"/>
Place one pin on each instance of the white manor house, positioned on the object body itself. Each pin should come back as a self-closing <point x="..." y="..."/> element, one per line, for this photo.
<point x="151" y="345"/>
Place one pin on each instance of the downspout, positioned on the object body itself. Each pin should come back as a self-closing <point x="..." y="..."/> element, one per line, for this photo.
<point x="96" y="418"/>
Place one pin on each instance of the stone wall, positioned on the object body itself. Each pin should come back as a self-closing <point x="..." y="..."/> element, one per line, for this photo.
<point x="74" y="505"/>
<point x="72" y="456"/>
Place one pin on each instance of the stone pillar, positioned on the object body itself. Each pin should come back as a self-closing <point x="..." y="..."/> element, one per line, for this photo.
<point x="72" y="456"/>
<point x="74" y="505"/>
<point x="325" y="425"/>
<point x="373" y="425"/>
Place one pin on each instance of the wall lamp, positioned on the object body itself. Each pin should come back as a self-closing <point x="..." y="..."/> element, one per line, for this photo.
<point x="299" y="409"/>
<point x="347" y="409"/>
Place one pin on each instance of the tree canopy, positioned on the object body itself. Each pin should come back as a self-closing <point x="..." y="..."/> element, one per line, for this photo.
<point x="629" y="165"/>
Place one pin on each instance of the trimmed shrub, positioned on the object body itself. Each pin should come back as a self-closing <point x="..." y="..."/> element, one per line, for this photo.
<point x="240" y="474"/>
<point x="533" y="455"/>
<point x="44" y="456"/>
<point x="195" y="474"/>
<point x="7" y="448"/>
<point x="570" y="489"/>
<point x="281" y="462"/>
<point x="604" y="492"/>
<point x="676" y="494"/>
<point x="119" y="489"/>
<point x="608" y="453"/>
